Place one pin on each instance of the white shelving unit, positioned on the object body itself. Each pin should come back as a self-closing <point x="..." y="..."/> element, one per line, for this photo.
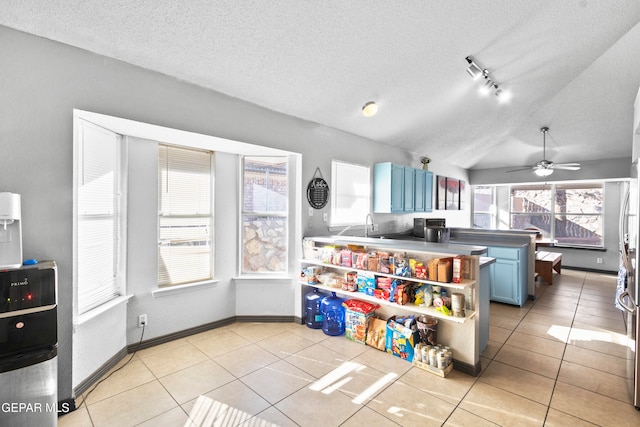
<point x="460" y="333"/>
<point x="431" y="311"/>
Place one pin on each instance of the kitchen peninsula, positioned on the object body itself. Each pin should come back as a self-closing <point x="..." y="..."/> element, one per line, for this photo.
<point x="514" y="251"/>
<point x="466" y="335"/>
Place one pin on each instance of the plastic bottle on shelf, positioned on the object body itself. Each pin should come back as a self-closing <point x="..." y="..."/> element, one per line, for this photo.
<point x="333" y="315"/>
<point x="314" y="314"/>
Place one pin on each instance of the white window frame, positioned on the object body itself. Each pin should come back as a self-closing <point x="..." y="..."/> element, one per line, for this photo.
<point x="553" y="188"/>
<point x="104" y="289"/>
<point x="492" y="208"/>
<point x="162" y="284"/>
<point x="349" y="181"/>
<point x="284" y="214"/>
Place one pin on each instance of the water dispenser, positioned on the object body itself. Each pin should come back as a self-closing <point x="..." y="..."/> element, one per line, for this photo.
<point x="10" y="231"/>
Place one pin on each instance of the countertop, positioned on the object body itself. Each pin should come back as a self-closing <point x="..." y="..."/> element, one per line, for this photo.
<point x="414" y="244"/>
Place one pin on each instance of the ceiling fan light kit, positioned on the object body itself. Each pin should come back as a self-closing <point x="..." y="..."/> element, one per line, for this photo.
<point x="545" y="167"/>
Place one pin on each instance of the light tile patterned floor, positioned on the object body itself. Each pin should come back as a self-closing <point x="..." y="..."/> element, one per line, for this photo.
<point x="558" y="361"/>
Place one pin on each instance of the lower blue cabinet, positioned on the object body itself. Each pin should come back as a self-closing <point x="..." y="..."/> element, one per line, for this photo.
<point x="508" y="275"/>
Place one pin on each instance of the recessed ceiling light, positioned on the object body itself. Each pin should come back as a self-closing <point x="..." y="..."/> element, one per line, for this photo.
<point x="370" y="109"/>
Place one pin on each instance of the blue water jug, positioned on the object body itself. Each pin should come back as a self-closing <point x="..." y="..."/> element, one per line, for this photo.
<point x="333" y="315"/>
<point x="314" y="314"/>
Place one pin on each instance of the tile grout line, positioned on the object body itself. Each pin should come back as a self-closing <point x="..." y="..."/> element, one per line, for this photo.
<point x="555" y="381"/>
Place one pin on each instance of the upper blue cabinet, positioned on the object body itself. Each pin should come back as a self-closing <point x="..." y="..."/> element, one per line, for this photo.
<point x="401" y="189"/>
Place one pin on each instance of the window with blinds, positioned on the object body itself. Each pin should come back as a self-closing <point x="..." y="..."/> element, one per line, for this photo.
<point x="185" y="216"/>
<point x="99" y="217"/>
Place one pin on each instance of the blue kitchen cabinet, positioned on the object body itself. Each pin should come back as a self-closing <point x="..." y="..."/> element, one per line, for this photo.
<point x="428" y="191"/>
<point x="409" y="189"/>
<point x="423" y="188"/>
<point x="389" y="188"/>
<point x="401" y="189"/>
<point x="508" y="274"/>
<point x="419" y="190"/>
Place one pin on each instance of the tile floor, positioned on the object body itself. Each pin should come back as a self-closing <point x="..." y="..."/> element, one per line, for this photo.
<point x="557" y="361"/>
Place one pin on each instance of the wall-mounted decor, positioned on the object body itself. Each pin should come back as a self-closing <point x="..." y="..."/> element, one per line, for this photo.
<point x="448" y="193"/>
<point x="441" y="192"/>
<point x="462" y="194"/>
<point x="317" y="191"/>
<point x="453" y="194"/>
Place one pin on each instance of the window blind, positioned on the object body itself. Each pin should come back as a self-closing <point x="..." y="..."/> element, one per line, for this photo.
<point x="185" y="246"/>
<point x="98" y="217"/>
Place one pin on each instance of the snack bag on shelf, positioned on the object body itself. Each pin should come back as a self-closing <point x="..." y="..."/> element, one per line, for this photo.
<point x="445" y="269"/>
<point x="433" y="269"/>
<point x="423" y="296"/>
<point x="402" y="294"/>
<point x="385" y="263"/>
<point x="401" y="267"/>
<point x="412" y="266"/>
<point x="360" y="260"/>
<point x="337" y="257"/>
<point x="366" y="283"/>
<point x="457" y="269"/>
<point x="308" y="248"/>
<point x="327" y="254"/>
<point x="421" y="271"/>
<point x="372" y="261"/>
<point x="350" y="281"/>
<point x="346" y="258"/>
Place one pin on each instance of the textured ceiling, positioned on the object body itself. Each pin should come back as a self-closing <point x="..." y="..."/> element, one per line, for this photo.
<point x="571" y="65"/>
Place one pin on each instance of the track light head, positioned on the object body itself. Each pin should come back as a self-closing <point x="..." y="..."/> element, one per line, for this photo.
<point x="486" y="87"/>
<point x="474" y="71"/>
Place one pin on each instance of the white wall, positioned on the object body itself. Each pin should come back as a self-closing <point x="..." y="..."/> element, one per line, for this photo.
<point x="43" y="82"/>
<point x="191" y="308"/>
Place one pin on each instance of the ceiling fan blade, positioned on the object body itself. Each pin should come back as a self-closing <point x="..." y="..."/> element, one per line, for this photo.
<point x="566" y="166"/>
<point x="521" y="169"/>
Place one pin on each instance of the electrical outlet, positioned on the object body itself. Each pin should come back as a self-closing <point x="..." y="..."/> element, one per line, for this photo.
<point x="376" y="227"/>
<point x="325" y="217"/>
<point x="310" y="211"/>
<point x="599" y="260"/>
<point x="142" y="320"/>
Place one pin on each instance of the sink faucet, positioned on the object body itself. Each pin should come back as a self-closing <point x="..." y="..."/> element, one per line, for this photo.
<point x="366" y="225"/>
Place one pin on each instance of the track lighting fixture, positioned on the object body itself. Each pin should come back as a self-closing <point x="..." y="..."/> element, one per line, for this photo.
<point x="474" y="71"/>
<point x="489" y="84"/>
<point x="486" y="87"/>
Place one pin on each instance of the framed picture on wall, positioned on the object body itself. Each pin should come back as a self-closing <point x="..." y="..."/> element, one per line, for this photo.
<point x="452" y="197"/>
<point x="441" y="192"/>
<point x="462" y="194"/>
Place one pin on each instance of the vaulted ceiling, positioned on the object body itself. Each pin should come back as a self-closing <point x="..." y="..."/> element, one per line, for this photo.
<point x="571" y="65"/>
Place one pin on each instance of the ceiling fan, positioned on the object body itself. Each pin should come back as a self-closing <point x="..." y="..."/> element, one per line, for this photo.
<point x="546" y="167"/>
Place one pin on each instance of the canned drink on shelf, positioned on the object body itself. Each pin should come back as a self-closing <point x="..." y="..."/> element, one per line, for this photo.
<point x="457" y="304"/>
